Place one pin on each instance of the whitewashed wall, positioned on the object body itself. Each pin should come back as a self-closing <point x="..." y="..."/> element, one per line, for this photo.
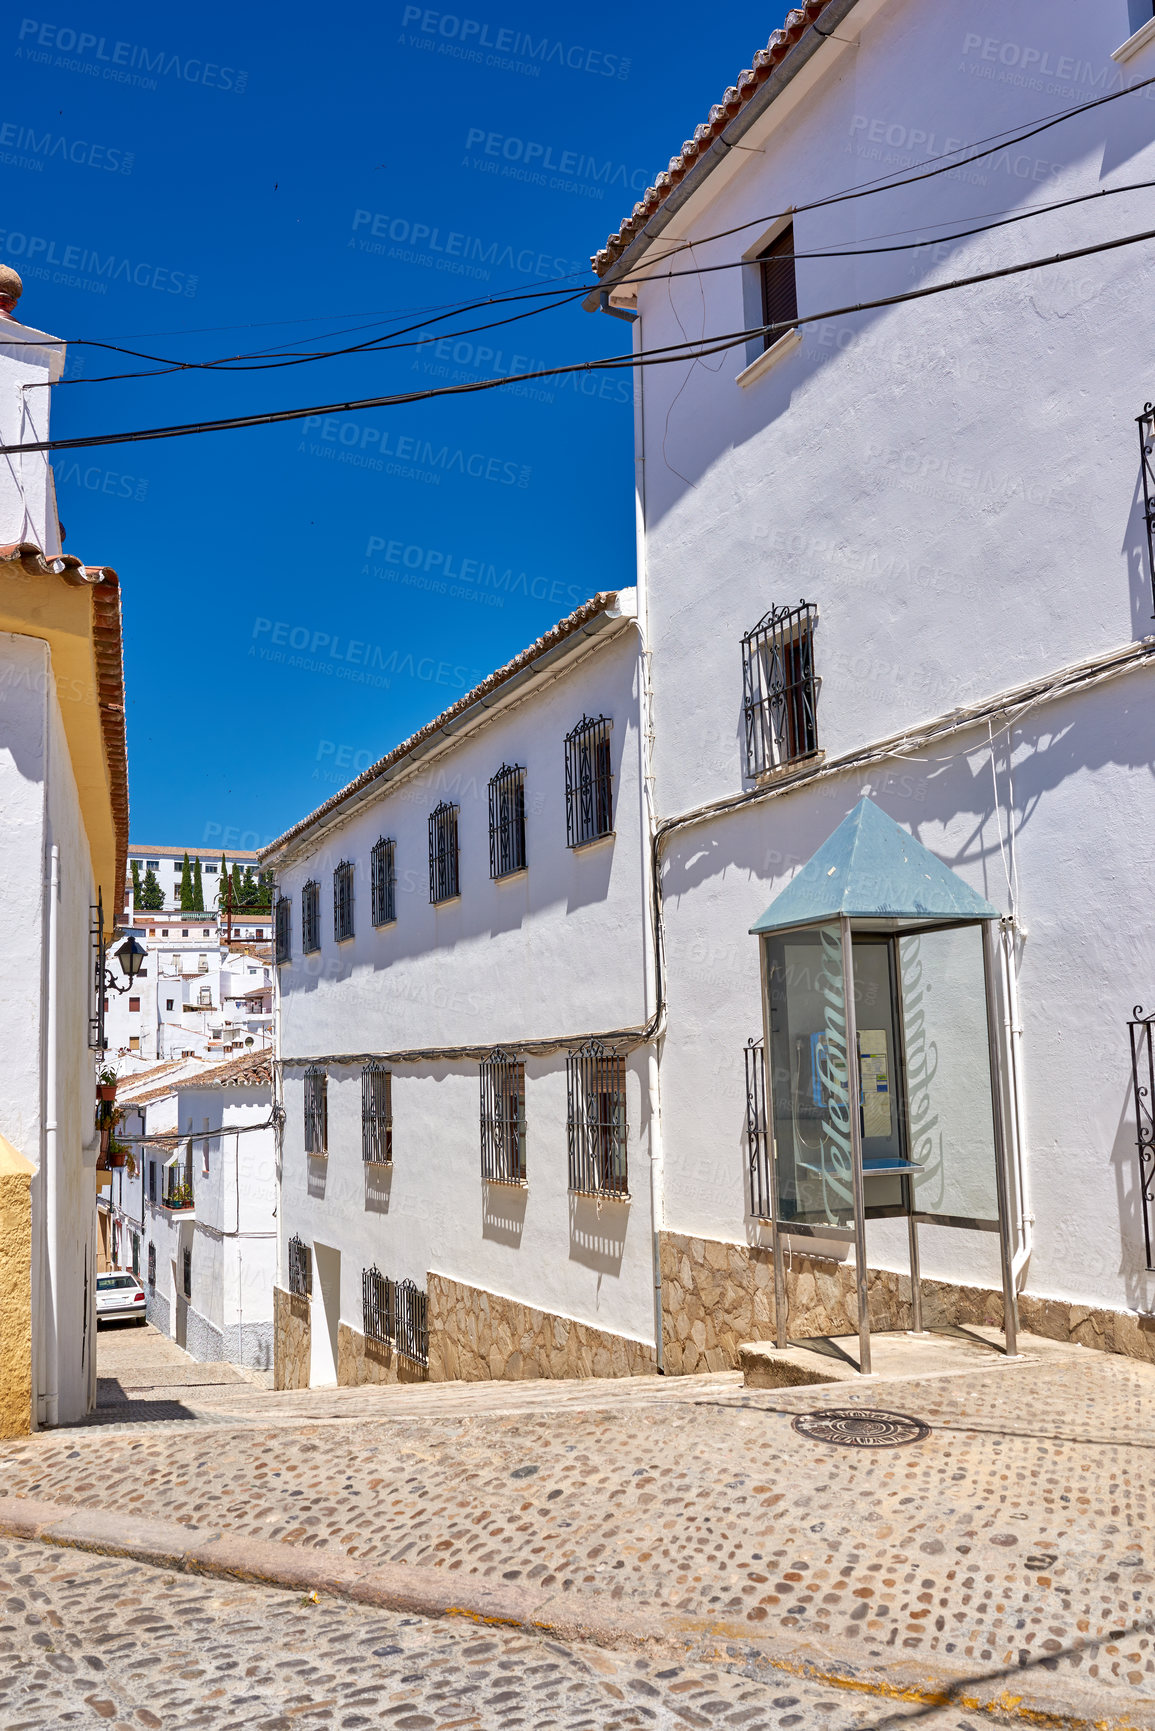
<point x="955" y="483"/>
<point x="28" y="357"/>
<point x="557" y="951"/>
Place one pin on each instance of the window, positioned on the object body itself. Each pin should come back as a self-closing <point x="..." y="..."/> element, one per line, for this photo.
<point x="503" y="1119"/>
<point x="284" y="924"/>
<point x="779" y="288"/>
<point x="311" y="917"/>
<point x="507" y="822"/>
<point x="376" y="1116"/>
<point x="343" y="901"/>
<point x="383" y="876"/>
<point x="596" y="1121"/>
<point x="206" y="932"/>
<point x="187" y="1271"/>
<point x="778" y="688"/>
<point x="184" y="933"/>
<point x="589" y="804"/>
<point x="136" y="1254"/>
<point x="164" y="934"/>
<point x="152" y="1265"/>
<point x="152" y="865"/>
<point x="444" y="864"/>
<point x="134" y="1004"/>
<point x="211" y="868"/>
<point x="300" y="1268"/>
<point x="411" y="1326"/>
<point x="152" y="1186"/>
<point x="377" y="1307"/>
<point x="168" y="1003"/>
<point x="316" y="1112"/>
<point x="134" y="1042"/>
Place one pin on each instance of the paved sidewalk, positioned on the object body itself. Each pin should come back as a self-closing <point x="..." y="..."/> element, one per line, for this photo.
<point x="1014" y="1539"/>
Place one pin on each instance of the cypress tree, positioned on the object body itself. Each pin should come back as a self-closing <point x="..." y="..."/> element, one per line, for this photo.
<point x="186" y="900"/>
<point x="249" y="889"/>
<point x="136" y="889"/>
<point x="221" y="881"/>
<point x="198" y="889"/>
<point x="238" y="889"/>
<point x="152" y="896"/>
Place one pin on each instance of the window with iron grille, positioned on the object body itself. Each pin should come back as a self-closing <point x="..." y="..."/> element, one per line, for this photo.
<point x="152" y="1265"/>
<point x="300" y="1268"/>
<point x="444" y="869"/>
<point x="284" y="950"/>
<point x="779" y="695"/>
<point x="503" y="1119"/>
<point x="589" y="798"/>
<point x="343" y="901"/>
<point x="779" y="286"/>
<point x="411" y="1332"/>
<point x="316" y="1112"/>
<point x="376" y="1116"/>
<point x="758" y="1154"/>
<point x="596" y="1121"/>
<point x="188" y="1273"/>
<point x="136" y="1254"/>
<point x="310" y="917"/>
<point x="98" y="1003"/>
<point x="152" y="1166"/>
<point x="383" y="876"/>
<point x="377" y="1306"/>
<point x="507" y="821"/>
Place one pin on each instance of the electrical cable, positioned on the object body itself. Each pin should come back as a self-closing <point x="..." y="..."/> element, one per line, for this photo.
<point x="663" y="355"/>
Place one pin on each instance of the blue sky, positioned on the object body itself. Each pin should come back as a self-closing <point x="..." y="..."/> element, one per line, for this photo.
<point x="259" y="175"/>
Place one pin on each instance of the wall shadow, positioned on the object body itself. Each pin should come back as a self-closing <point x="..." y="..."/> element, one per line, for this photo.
<point x="597" y="1233"/>
<point x="378" y="1187"/>
<point x="503" y="1212"/>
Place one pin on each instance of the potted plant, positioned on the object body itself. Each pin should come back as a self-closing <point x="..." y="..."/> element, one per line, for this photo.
<point x="106" y="1084"/>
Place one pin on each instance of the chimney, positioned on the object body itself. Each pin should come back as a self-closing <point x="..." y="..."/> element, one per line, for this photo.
<point x="11" y="288"/>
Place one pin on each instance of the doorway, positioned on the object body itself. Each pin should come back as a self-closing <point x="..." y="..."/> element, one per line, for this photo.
<point x="325" y="1315"/>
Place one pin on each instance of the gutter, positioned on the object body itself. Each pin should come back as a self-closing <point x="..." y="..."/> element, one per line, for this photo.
<point x="800" y="56"/>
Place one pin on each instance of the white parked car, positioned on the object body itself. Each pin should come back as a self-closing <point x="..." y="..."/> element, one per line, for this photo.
<point x="119" y="1295"/>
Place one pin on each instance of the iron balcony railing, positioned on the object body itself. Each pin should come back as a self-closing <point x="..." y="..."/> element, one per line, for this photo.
<point x="596" y="1121"/>
<point x="503" y="1119"/>
<point x="300" y="1268"/>
<point x="395" y="1313"/>
<point x="589" y="796"/>
<point x="383" y="881"/>
<point x="376" y="1116"/>
<point x="507" y="821"/>
<point x="779" y="697"/>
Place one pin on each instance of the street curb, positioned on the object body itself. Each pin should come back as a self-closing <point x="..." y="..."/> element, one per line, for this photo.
<point x="572" y="1617"/>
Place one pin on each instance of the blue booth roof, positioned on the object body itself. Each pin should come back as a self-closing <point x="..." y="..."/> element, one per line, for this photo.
<point x="871" y="869"/>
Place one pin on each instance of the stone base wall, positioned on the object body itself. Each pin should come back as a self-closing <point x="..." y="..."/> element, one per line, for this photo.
<point x="292" y="1340"/>
<point x="478" y="1336"/>
<point x="715" y="1296"/>
<point x="360" y="1359"/>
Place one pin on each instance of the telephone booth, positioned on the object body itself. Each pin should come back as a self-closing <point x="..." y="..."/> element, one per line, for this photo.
<point x="883" y="1067"/>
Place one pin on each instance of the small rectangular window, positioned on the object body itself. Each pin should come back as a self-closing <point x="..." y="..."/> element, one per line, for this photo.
<point x="316" y="1112"/>
<point x="596" y="1121"/>
<point x="503" y="1119"/>
<point x="589" y="797"/>
<point x="152" y="1186"/>
<point x="507" y="821"/>
<point x="311" y="917"/>
<point x="383" y="873"/>
<point x="300" y="1268"/>
<point x="134" y="1004"/>
<point x="779" y="697"/>
<point x="377" y="1306"/>
<point x="188" y="1273"/>
<point x="284" y="917"/>
<point x="134" y="1042"/>
<point x="779" y="286"/>
<point x="168" y="1003"/>
<point x="343" y="901"/>
<point x="444" y="860"/>
<point x="376" y="1116"/>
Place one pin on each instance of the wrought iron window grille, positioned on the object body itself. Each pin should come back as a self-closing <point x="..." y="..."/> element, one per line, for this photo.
<point x="779" y="285"/>
<point x="300" y="1268"/>
<point x="589" y="782"/>
<point x="503" y="1119"/>
<point x="444" y="861"/>
<point x="188" y="1274"/>
<point x="757" y="1138"/>
<point x="378" y="1306"/>
<point x="316" y="1111"/>
<point x="507" y="821"/>
<point x="284" y="930"/>
<point x="98" y="963"/>
<point x="779" y="690"/>
<point x="596" y="1121"/>
<point x="343" y="901"/>
<point x="411" y="1333"/>
<point x="376" y="1116"/>
<point x="152" y="1265"/>
<point x="1143" y="1086"/>
<point x="383" y="881"/>
<point x="310" y="917"/>
<point x="1146" y="423"/>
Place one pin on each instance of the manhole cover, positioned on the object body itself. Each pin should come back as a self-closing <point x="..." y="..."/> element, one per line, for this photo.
<point x="861" y="1427"/>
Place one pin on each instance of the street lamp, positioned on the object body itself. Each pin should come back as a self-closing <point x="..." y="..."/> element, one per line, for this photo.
<point x="131" y="955"/>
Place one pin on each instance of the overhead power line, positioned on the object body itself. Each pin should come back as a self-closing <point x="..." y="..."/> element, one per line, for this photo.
<point x="694" y="350"/>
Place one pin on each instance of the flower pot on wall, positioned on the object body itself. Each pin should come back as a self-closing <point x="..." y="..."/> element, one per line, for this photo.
<point x="106" y="1091"/>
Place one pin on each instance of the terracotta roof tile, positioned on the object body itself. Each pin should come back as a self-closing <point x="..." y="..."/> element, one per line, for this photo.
<point x="733" y="101"/>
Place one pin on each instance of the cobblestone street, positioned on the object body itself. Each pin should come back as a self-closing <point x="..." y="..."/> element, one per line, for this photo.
<point x="1003" y="1559"/>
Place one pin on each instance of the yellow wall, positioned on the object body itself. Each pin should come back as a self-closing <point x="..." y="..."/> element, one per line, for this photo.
<point x="15" y="1292"/>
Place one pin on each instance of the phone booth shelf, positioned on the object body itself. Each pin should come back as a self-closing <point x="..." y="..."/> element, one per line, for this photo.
<point x="877" y="949"/>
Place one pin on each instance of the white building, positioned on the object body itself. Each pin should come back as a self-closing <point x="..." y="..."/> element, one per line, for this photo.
<point x="195" y="996"/>
<point x="167" y="865"/>
<point x="63" y="844"/>
<point x="196" y="1219"/>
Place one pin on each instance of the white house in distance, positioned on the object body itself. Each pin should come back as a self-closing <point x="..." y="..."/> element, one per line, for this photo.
<point x="902" y="553"/>
<point x="166" y="864"/>
<point x="63" y="845"/>
<point x="195" y="995"/>
<point x="196" y="1220"/>
<point x="465" y="991"/>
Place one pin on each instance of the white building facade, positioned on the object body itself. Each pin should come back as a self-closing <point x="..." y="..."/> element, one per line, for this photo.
<point x="195" y="996"/>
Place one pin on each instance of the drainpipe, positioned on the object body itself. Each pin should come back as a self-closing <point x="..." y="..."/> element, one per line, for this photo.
<point x="1013" y="1034"/>
<point x="51" y="1179"/>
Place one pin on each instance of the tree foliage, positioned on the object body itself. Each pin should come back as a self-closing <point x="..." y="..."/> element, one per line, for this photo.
<point x="151" y="895"/>
<point x="198" y="889"/>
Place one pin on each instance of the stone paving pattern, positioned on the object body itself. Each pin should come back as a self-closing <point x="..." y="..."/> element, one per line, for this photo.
<point x="96" y="1641"/>
<point x="1014" y="1535"/>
